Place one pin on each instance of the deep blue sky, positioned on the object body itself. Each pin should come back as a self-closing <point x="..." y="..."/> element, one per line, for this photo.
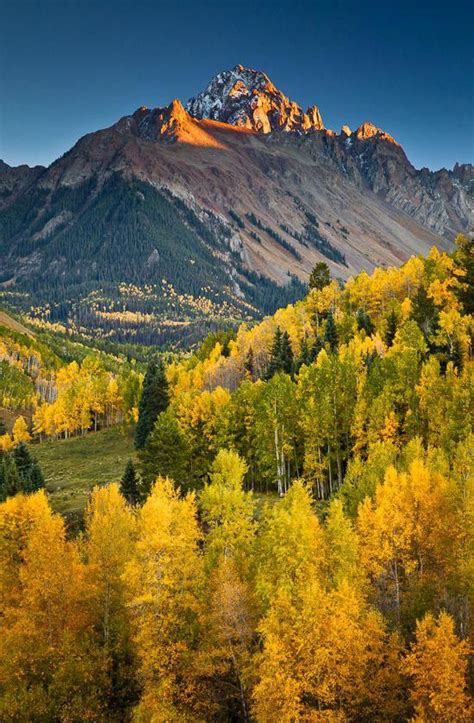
<point x="72" y="66"/>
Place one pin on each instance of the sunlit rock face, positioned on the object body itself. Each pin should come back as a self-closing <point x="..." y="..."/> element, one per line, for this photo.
<point x="247" y="98"/>
<point x="237" y="189"/>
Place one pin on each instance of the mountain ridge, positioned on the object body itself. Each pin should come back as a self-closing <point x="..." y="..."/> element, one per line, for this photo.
<point x="266" y="198"/>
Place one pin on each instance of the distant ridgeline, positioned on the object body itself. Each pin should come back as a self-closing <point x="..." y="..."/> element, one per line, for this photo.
<point x="136" y="266"/>
<point x="176" y="221"/>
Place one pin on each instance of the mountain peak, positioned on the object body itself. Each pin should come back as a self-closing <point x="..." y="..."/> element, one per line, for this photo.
<point x="369" y="130"/>
<point x="246" y="97"/>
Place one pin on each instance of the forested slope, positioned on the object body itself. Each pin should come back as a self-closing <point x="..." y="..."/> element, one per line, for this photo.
<point x="346" y="598"/>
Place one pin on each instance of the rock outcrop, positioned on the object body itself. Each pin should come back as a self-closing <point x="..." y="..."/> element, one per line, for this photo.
<point x="247" y="98"/>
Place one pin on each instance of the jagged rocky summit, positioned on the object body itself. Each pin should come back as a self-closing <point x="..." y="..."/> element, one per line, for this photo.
<point x="219" y="207"/>
<point x="247" y="98"/>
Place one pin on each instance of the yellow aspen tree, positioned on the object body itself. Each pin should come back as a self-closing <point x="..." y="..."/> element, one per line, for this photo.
<point x="342" y="545"/>
<point x="164" y="581"/>
<point x="326" y="656"/>
<point x="408" y="537"/>
<point x="228" y="630"/>
<point x="437" y="666"/>
<point x="290" y="545"/>
<point x="20" y="431"/>
<point x="49" y="664"/>
<point x="6" y="443"/>
<point x="110" y="535"/>
<point x="227" y="511"/>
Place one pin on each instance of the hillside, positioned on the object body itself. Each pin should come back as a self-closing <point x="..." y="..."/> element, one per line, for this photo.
<point x="72" y="467"/>
<point x="174" y="221"/>
<point x="43" y="370"/>
<point x="297" y="543"/>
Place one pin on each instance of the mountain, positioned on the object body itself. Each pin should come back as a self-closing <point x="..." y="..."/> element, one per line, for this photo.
<point x="176" y="220"/>
<point x="248" y="99"/>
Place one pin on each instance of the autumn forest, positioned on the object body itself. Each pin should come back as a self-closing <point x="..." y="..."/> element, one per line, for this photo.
<point x="293" y="538"/>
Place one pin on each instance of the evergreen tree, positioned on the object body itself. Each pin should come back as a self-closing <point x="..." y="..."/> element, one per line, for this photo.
<point x="36" y="479"/>
<point x="165" y="453"/>
<point x="275" y="355"/>
<point x="464" y="259"/>
<point x="249" y="363"/>
<point x="306" y="356"/>
<point x="281" y="356"/>
<point x="425" y="312"/>
<point x="129" y="484"/>
<point x="365" y="322"/>
<point x="30" y="474"/>
<point x="392" y="323"/>
<point x="330" y="333"/>
<point x="154" y="399"/>
<point x="286" y="354"/>
<point x="24" y="460"/>
<point x="316" y="348"/>
<point x="10" y="481"/>
<point x="320" y="276"/>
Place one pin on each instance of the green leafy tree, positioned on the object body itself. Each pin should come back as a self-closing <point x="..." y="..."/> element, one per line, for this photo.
<point x="154" y="399"/>
<point x="129" y="484"/>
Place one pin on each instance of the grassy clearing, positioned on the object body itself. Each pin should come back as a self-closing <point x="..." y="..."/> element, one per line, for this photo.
<point x="72" y="467"/>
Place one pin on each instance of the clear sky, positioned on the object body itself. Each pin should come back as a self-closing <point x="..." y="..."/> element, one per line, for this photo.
<point x="68" y="67"/>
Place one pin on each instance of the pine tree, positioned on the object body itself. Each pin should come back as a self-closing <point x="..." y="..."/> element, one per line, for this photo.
<point x="129" y="484"/>
<point x="365" y="322"/>
<point x="330" y="333"/>
<point x="320" y="276"/>
<point x="166" y="453"/>
<point x="30" y="475"/>
<point x="281" y="356"/>
<point x="425" y="312"/>
<point x="392" y="323"/>
<point x="10" y="481"/>
<point x="154" y="399"/>
<point x="286" y="354"/>
<point x="316" y="348"/>
<point x="305" y="357"/>
<point x="36" y="479"/>
<point x="464" y="260"/>
<point x="274" y="364"/>
<point x="23" y="460"/>
<point x="249" y="363"/>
